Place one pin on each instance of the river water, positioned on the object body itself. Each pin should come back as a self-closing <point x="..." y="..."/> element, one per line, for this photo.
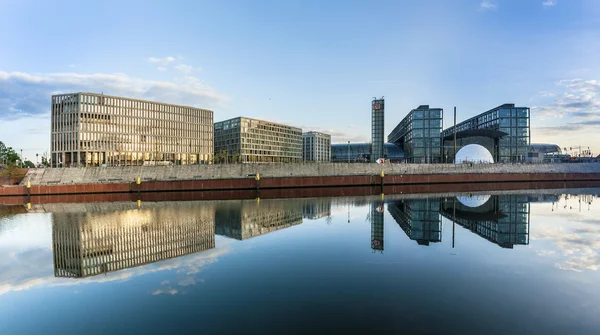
<point x="495" y="263"/>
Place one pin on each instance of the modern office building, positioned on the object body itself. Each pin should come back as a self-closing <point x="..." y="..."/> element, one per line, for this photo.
<point x="500" y="219"/>
<point x="89" y="129"/>
<point x="377" y="128"/>
<point x="418" y="134"/>
<point x="244" y="219"/>
<point x="361" y="153"/>
<point x="92" y="239"/>
<point x="246" y="140"/>
<point x="316" y="146"/>
<point x="503" y="131"/>
<point x="419" y="219"/>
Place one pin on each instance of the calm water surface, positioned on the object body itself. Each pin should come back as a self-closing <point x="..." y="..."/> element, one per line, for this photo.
<point x="464" y="264"/>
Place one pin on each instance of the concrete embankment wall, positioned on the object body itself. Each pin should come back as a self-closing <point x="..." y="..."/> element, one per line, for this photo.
<point x="106" y="175"/>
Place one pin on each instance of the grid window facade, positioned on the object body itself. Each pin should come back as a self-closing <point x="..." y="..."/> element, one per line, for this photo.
<point x="316" y="147"/>
<point x="509" y="222"/>
<point x="377" y="128"/>
<point x="420" y="219"/>
<point x="90" y="129"/>
<point x="248" y="140"/>
<point x="514" y="121"/>
<point x="419" y="135"/>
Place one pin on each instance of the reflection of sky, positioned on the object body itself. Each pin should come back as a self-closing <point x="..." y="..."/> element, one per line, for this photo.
<point x="318" y="273"/>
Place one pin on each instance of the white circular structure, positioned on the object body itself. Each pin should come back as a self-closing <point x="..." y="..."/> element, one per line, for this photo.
<point x="473" y="201"/>
<point x="473" y="153"/>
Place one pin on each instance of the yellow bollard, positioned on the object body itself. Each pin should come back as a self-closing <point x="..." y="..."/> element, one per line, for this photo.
<point x="139" y="203"/>
<point x="257" y="176"/>
<point x="382" y="196"/>
<point x="28" y="184"/>
<point x="382" y="174"/>
<point x="138" y="181"/>
<point x="28" y="205"/>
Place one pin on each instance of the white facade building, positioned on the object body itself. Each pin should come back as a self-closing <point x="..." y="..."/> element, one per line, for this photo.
<point x="316" y="146"/>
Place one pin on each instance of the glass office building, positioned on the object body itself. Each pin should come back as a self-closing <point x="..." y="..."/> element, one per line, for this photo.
<point x="419" y="135"/>
<point x="377" y="128"/>
<point x="246" y="140"/>
<point x="419" y="219"/>
<point x="316" y="146"/>
<point x="503" y="130"/>
<point x="89" y="129"/>
<point x="502" y="219"/>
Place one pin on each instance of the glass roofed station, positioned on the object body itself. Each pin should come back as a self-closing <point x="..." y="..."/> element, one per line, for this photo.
<point x="503" y="131"/>
<point x="418" y="134"/>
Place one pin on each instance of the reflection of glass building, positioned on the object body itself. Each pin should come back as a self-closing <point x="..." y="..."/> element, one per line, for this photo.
<point x="361" y="152"/>
<point x="502" y="219"/>
<point x="91" y="129"/>
<point x="419" y="135"/>
<point x="419" y="218"/>
<point x="377" y="226"/>
<point x="249" y="140"/>
<point x="90" y="241"/>
<point x="316" y="208"/>
<point x="504" y="131"/>
<point x="244" y="219"/>
<point x="377" y="128"/>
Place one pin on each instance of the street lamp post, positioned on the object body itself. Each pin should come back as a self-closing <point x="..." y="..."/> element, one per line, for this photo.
<point x="37" y="161"/>
<point x="21" y="158"/>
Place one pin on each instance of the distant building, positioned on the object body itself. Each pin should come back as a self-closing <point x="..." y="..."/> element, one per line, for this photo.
<point x="377" y="128"/>
<point x="503" y="131"/>
<point x="246" y="140"/>
<point x="419" y="135"/>
<point x="361" y="153"/>
<point x="537" y="152"/>
<point x="316" y="146"/>
<point x="316" y="208"/>
<point x="89" y="129"/>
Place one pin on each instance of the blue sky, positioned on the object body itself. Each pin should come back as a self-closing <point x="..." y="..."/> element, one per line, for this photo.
<point x="314" y="64"/>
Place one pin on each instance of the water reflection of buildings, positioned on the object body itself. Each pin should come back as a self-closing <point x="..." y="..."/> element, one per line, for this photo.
<point x="419" y="218"/>
<point x="500" y="219"/>
<point x="377" y="225"/>
<point x="90" y="241"/>
<point x="316" y="208"/>
<point x="243" y="219"/>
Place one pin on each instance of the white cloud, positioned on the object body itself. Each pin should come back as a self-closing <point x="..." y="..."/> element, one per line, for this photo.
<point x="487" y="5"/>
<point x="164" y="61"/>
<point x="184" y="68"/>
<point x="549" y="3"/>
<point x="573" y="116"/>
<point x="161" y="68"/>
<point x="25" y="94"/>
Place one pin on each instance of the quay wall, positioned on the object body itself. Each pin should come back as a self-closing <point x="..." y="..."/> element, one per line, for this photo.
<point x="125" y="174"/>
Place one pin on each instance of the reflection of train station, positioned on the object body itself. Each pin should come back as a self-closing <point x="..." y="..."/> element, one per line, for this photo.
<point x="88" y="240"/>
<point x="244" y="219"/>
<point x="500" y="219"/>
<point x="419" y="218"/>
